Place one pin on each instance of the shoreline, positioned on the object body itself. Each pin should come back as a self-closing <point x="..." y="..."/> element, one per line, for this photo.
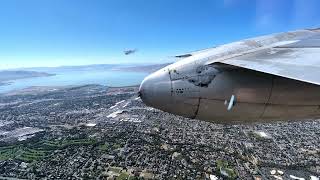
<point x="38" y="89"/>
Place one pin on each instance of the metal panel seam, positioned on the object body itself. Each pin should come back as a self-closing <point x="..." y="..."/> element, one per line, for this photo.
<point x="197" y="110"/>
<point x="270" y="94"/>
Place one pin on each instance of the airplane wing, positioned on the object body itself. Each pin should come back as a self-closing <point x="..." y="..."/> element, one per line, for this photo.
<point x="298" y="59"/>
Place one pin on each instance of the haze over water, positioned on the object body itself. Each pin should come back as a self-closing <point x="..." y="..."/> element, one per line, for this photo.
<point x="110" y="77"/>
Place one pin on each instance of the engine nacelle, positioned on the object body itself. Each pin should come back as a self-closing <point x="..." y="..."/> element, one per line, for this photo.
<point x="228" y="94"/>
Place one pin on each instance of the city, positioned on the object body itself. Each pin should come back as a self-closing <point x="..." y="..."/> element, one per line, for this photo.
<point x="97" y="132"/>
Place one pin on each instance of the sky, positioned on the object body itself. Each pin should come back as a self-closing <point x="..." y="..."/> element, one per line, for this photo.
<point x="46" y="33"/>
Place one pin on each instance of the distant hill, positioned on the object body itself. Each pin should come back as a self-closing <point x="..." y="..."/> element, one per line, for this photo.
<point x="145" y="68"/>
<point x="10" y="75"/>
<point x="14" y="75"/>
<point x="101" y="67"/>
<point x="73" y="68"/>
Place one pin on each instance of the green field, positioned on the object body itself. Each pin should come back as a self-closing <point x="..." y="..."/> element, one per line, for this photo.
<point x="36" y="151"/>
<point x="21" y="153"/>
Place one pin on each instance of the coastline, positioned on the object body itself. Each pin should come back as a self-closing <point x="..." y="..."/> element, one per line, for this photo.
<point x="40" y="89"/>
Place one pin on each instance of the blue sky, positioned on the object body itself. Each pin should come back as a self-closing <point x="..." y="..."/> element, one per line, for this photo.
<point x="76" y="32"/>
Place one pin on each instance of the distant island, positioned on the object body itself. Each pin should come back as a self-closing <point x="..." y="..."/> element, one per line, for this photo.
<point x="7" y="76"/>
<point x="4" y="83"/>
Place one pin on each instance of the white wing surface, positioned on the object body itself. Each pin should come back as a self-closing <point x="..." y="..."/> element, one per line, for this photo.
<point x="295" y="57"/>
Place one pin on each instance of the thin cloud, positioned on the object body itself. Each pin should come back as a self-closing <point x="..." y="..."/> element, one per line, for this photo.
<point x="304" y="10"/>
<point x="233" y="3"/>
<point x="229" y="3"/>
<point x="269" y="13"/>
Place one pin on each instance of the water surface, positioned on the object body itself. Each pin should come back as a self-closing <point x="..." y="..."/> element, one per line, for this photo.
<point x="110" y="77"/>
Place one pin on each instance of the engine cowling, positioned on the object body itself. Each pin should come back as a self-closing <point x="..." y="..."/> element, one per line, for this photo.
<point x="228" y="94"/>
